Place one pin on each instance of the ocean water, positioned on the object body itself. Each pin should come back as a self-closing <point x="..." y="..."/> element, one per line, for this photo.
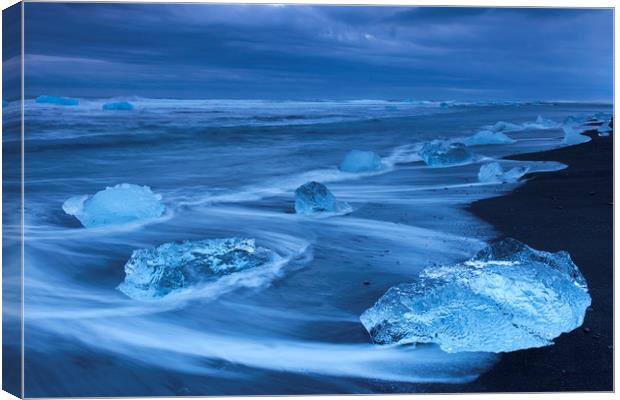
<point x="228" y="168"/>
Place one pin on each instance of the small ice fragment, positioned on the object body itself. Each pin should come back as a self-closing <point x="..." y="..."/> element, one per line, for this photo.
<point x="156" y="272"/>
<point x="506" y="298"/>
<point x="75" y="204"/>
<point x="514" y="174"/>
<point x="572" y="133"/>
<point x="115" y="205"/>
<point x="488" y="137"/>
<point x="360" y="161"/>
<point x="119" y="105"/>
<point x="62" y="101"/>
<point x="440" y="153"/>
<point x="503" y="126"/>
<point x="391" y="108"/>
<point x="542" y="123"/>
<point x="314" y="197"/>
<point x="493" y="172"/>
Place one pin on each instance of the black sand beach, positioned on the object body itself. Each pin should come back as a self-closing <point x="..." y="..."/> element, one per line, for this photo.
<point x="568" y="210"/>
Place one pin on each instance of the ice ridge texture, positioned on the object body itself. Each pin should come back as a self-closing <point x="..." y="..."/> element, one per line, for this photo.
<point x="440" y="153"/>
<point x="508" y="297"/>
<point x="156" y="272"/>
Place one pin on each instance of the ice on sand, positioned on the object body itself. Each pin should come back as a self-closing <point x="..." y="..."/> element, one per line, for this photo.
<point x="156" y="272"/>
<point x="314" y="198"/>
<point x="115" y="205"/>
<point x="488" y="137"/>
<point x="572" y="131"/>
<point x="508" y="297"/>
<point x="493" y="172"/>
<point x="439" y="153"/>
<point x="360" y="161"/>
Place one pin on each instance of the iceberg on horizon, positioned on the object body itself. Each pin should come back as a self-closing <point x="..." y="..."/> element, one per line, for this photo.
<point x="115" y="205"/>
<point x="506" y="298"/>
<point x="62" y="101"/>
<point x="314" y="198"/>
<point x="488" y="137"/>
<point x="156" y="272"/>
<point x="439" y="153"/>
<point x="360" y="161"/>
<point x="493" y="172"/>
<point x="119" y="105"/>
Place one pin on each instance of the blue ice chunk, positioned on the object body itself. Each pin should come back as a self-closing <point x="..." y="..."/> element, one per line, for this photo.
<point x="62" y="101"/>
<point x="488" y="137"/>
<point x="573" y="127"/>
<point x="360" y="161"/>
<point x="156" y="272"/>
<point x="4" y="103"/>
<point x="313" y="198"/>
<point x="115" y="205"/>
<point x="514" y="174"/>
<point x="493" y="172"/>
<point x="119" y="105"/>
<point x="440" y="153"/>
<point x="508" y="297"/>
<point x="543" y="123"/>
<point x="391" y="108"/>
<point x="503" y="126"/>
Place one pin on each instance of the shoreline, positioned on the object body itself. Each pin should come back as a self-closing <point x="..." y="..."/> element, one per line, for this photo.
<point x="570" y="210"/>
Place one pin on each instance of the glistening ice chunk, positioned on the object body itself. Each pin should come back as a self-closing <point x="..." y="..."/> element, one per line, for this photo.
<point x="313" y="197"/>
<point x="115" y="205"/>
<point x="506" y="298"/>
<point x="360" y="161"/>
<point x="119" y="105"/>
<point x="62" y="101"/>
<point x="572" y="131"/>
<point x="542" y="123"/>
<point x="156" y="272"/>
<point x="514" y="174"/>
<point x="493" y="172"/>
<point x="503" y="126"/>
<point x="488" y="137"/>
<point x="440" y="153"/>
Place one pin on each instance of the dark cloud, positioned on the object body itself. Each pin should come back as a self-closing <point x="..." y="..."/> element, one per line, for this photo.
<point x="262" y="51"/>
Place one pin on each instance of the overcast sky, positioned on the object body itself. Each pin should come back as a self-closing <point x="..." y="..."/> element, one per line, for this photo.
<point x="318" y="52"/>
